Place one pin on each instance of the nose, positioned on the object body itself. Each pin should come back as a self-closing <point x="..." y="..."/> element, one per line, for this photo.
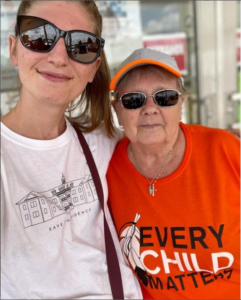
<point x="58" y="55"/>
<point x="150" y="106"/>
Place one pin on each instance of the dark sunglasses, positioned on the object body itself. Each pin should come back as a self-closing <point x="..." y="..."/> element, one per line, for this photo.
<point x="163" y="98"/>
<point x="41" y="36"/>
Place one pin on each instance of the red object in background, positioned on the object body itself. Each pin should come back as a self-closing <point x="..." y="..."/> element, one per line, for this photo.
<point x="172" y="44"/>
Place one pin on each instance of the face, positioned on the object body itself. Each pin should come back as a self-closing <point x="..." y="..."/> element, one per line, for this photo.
<point x="53" y="77"/>
<point x="150" y="124"/>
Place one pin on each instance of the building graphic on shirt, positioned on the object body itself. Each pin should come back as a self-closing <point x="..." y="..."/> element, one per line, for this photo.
<point x="40" y="207"/>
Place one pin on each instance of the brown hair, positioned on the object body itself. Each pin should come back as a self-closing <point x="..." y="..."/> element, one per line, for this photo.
<point x="146" y="70"/>
<point x="95" y="98"/>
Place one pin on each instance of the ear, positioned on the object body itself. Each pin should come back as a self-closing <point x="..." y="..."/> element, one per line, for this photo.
<point x="13" y="50"/>
<point x="96" y="65"/>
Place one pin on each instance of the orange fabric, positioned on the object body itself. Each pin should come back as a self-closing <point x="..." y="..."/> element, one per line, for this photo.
<point x="183" y="243"/>
<point x="140" y="62"/>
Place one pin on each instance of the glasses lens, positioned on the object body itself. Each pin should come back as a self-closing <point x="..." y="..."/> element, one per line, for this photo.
<point x="133" y="100"/>
<point x="37" y="35"/>
<point x="83" y="47"/>
<point x="166" y="98"/>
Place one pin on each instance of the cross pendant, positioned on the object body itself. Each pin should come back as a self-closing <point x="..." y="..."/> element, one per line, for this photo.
<point x="152" y="190"/>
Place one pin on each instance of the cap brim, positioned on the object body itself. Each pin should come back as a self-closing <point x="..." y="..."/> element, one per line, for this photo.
<point x="139" y="62"/>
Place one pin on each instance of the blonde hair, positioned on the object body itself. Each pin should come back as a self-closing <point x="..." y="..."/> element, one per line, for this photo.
<point x="94" y="99"/>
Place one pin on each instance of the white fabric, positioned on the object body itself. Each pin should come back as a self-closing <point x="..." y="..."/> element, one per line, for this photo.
<point x="48" y="252"/>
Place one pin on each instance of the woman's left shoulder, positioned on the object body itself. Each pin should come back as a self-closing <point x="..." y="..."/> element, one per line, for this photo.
<point x="212" y="139"/>
<point x="210" y="132"/>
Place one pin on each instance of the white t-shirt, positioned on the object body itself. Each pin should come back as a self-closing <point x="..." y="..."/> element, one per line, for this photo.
<point x="52" y="237"/>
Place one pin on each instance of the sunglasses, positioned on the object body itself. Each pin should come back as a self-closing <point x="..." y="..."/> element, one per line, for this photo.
<point x="162" y="98"/>
<point x="41" y="36"/>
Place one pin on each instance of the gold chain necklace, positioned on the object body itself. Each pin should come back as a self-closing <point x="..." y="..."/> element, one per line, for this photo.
<point x="151" y="188"/>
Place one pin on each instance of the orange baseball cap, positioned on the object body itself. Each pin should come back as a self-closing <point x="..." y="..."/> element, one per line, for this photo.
<point x="145" y="56"/>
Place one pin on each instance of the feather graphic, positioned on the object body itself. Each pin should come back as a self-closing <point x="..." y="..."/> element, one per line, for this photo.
<point x="130" y="244"/>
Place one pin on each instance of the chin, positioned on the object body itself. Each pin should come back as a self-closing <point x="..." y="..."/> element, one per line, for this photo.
<point x="151" y="141"/>
<point x="54" y="101"/>
<point x="152" y="137"/>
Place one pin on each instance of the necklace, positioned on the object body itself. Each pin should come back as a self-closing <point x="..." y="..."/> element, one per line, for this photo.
<point x="151" y="187"/>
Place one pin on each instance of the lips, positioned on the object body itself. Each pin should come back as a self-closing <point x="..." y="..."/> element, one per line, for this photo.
<point x="55" y="77"/>
<point x="150" y="125"/>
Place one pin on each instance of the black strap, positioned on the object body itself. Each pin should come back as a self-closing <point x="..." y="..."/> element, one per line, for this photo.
<point x="111" y="255"/>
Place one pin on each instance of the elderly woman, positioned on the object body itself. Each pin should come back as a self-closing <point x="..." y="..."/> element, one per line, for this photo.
<point x="174" y="189"/>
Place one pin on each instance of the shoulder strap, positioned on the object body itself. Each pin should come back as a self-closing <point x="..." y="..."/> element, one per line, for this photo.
<point x="111" y="255"/>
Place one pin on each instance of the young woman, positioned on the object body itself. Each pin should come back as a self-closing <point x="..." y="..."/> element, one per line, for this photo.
<point x="52" y="225"/>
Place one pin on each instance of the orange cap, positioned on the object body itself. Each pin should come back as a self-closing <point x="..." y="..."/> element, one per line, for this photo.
<point x="145" y="56"/>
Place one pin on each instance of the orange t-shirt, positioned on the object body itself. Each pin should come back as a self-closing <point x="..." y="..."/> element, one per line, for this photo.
<point x="185" y="241"/>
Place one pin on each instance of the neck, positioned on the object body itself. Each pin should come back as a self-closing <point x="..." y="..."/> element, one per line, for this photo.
<point x="163" y="159"/>
<point x="41" y="122"/>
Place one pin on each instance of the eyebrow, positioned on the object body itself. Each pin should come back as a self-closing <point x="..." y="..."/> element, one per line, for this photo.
<point x="163" y="88"/>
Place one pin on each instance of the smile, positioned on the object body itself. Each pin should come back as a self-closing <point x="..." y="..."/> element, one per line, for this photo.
<point x="54" y="77"/>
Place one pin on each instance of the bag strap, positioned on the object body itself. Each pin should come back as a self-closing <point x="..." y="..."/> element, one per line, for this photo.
<point x="111" y="255"/>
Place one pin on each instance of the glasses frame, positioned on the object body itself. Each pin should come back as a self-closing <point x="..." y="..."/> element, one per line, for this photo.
<point x="151" y="95"/>
<point x="59" y="33"/>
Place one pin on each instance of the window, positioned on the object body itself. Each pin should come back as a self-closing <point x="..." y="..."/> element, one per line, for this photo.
<point x="45" y="211"/>
<point x="33" y="204"/>
<point x="76" y="199"/>
<point x="80" y="190"/>
<point x="24" y="206"/>
<point x="160" y="16"/>
<point x="35" y="214"/>
<point x="26" y="217"/>
<point x="43" y="201"/>
<point x="74" y="192"/>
